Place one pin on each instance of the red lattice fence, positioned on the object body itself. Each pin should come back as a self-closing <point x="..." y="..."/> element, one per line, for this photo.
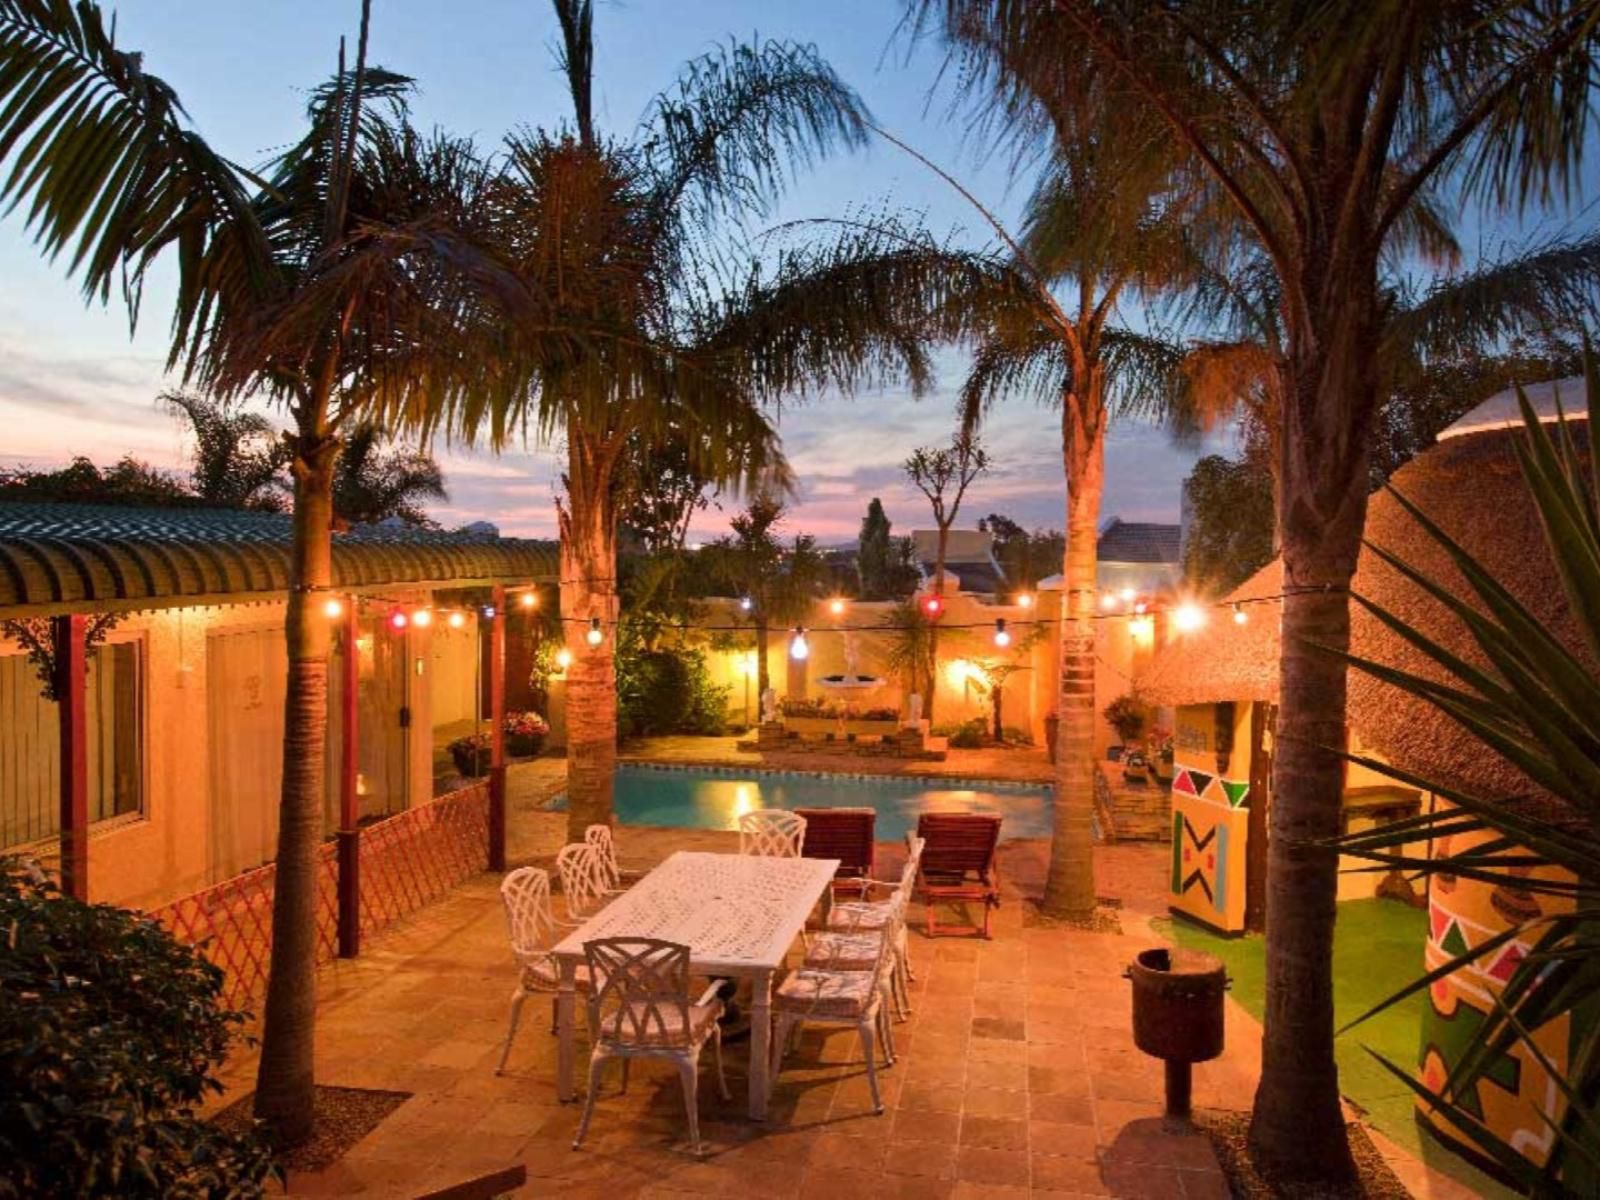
<point x="407" y="861"/>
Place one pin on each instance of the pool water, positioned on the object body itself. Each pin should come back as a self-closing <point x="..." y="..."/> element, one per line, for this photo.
<point x="715" y="800"/>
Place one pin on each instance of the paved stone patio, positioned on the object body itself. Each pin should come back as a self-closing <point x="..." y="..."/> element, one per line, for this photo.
<point x="1017" y="1073"/>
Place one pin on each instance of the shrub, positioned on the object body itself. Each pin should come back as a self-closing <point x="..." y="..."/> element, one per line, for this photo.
<point x="1127" y="715"/>
<point x="669" y="691"/>
<point x="970" y="735"/>
<point x="822" y="710"/>
<point x="110" y="1031"/>
<point x="525" y="733"/>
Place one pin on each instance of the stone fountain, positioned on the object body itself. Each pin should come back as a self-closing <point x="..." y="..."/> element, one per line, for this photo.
<point x="852" y="683"/>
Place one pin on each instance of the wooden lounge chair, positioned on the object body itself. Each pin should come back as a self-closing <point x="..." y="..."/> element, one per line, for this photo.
<point x="958" y="866"/>
<point x="846" y="834"/>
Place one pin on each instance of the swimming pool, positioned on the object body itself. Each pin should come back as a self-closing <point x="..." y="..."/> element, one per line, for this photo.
<point x="714" y="798"/>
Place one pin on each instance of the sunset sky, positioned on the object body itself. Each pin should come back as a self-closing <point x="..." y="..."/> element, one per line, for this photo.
<point x="72" y="382"/>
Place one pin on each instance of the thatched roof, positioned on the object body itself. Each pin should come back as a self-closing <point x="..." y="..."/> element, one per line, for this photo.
<point x="1469" y="485"/>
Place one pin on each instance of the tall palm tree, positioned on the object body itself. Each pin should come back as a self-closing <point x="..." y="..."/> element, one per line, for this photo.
<point x="1320" y="127"/>
<point x="616" y="232"/>
<point x="238" y="457"/>
<point x="343" y="276"/>
<point x="373" y="484"/>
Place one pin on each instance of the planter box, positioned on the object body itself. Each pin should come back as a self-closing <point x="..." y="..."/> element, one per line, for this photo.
<point x="858" y="728"/>
<point x="812" y="726"/>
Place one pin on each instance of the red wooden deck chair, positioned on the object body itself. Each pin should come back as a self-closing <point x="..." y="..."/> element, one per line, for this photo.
<point x="846" y="834"/>
<point x="958" y="866"/>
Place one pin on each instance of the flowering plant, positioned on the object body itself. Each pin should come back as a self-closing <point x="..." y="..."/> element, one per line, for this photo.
<point x="876" y="714"/>
<point x="526" y="725"/>
<point x="825" y="710"/>
<point x="470" y="754"/>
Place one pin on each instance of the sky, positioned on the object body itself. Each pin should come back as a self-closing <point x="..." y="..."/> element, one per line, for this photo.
<point x="73" y="381"/>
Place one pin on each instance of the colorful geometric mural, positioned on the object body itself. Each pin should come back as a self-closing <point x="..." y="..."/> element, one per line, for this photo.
<point x="1210" y="826"/>
<point x="1463" y="913"/>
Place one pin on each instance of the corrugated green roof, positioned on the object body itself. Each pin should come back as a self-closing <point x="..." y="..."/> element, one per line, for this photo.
<point x="58" y="557"/>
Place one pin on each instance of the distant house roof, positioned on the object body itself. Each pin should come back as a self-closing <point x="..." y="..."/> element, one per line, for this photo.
<point x="962" y="546"/>
<point x="59" y="557"/>
<point x="1139" y="542"/>
<point x="1472" y="487"/>
<point x="1501" y="410"/>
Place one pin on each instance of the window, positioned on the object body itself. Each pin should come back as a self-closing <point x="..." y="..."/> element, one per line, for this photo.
<point x="30" y="756"/>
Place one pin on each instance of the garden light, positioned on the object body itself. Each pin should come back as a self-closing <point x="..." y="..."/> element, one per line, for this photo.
<point x="422" y="618"/>
<point x="397" y="619"/>
<point x="836" y="607"/>
<point x="333" y="608"/>
<point x="1186" y="618"/>
<point x="1128" y="595"/>
<point x="488" y="612"/>
<point x="1108" y="601"/>
<point x="933" y="606"/>
<point x="595" y="635"/>
<point x="1002" y="636"/>
<point x="1025" y="600"/>
<point x="1142" y="628"/>
<point x="530" y="599"/>
<point x="457" y="620"/>
<point x="1140" y="607"/>
<point x="798" y="647"/>
<point x="563" y="659"/>
<point x="1239" y="614"/>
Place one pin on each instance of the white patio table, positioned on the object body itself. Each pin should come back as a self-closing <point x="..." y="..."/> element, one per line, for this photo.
<point x="738" y="914"/>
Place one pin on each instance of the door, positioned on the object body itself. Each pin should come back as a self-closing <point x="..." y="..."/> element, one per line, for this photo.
<point x="1262" y="716"/>
<point x="384" y="717"/>
<point x="246" y="680"/>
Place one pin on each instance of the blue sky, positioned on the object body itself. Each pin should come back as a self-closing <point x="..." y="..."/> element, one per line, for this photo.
<point x="72" y="382"/>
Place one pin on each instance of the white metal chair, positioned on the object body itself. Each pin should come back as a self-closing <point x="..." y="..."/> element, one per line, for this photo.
<point x="855" y="917"/>
<point x="617" y="880"/>
<point x="828" y="997"/>
<point x="641" y="1009"/>
<point x="583" y="880"/>
<point x="525" y="893"/>
<point x="771" y="833"/>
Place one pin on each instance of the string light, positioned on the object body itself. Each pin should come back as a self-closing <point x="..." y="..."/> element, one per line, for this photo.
<point x="933" y="606"/>
<point x="798" y="647"/>
<point x="1142" y="627"/>
<point x="1128" y="595"/>
<point x="1187" y="617"/>
<point x="836" y="606"/>
<point x="457" y="620"/>
<point x="746" y="604"/>
<point x="595" y="635"/>
<point x="1025" y="600"/>
<point x="1108" y="601"/>
<point x="422" y="618"/>
<point x="397" y="619"/>
<point x="1140" y="607"/>
<point x="1239" y="614"/>
<point x="488" y="612"/>
<point x="1002" y="636"/>
<point x="563" y="659"/>
<point x="333" y="608"/>
<point x="530" y="599"/>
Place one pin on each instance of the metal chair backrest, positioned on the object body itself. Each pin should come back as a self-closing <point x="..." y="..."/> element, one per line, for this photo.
<point x="958" y="844"/>
<point x="771" y="833"/>
<point x="844" y="833"/>
<point x="643" y="997"/>
<point x="582" y="878"/>
<point x="599" y="836"/>
<point x="908" y="874"/>
<point x="525" y="893"/>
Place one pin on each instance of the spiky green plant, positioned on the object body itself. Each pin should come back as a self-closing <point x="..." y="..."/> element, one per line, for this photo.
<point x="1533" y="699"/>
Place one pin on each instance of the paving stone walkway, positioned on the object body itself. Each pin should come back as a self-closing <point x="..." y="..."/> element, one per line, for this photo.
<point x="1017" y="1073"/>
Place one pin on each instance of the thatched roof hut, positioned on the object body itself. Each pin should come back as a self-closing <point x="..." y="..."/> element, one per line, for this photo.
<point x="1470" y="485"/>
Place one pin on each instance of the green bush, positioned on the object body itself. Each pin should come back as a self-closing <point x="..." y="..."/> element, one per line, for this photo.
<point x="669" y="691"/>
<point x="970" y="735"/>
<point x="110" y="1030"/>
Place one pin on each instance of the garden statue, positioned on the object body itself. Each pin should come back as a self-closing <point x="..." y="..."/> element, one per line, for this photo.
<point x="914" y="708"/>
<point x="769" y="706"/>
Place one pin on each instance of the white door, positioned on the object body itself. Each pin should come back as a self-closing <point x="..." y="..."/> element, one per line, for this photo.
<point x="246" y="679"/>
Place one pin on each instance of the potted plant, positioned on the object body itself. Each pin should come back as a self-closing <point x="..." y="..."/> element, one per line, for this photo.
<point x="1127" y="715"/>
<point x="525" y="734"/>
<point x="1159" y="751"/>
<point x="470" y="754"/>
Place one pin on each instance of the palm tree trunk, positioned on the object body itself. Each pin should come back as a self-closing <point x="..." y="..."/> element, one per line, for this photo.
<point x="763" y="671"/>
<point x="1069" y="886"/>
<point x="1297" y="1128"/>
<point x="285" y="1077"/>
<point x="589" y="590"/>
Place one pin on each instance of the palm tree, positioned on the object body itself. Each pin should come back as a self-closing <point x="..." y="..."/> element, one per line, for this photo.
<point x="341" y="277"/>
<point x="238" y="456"/>
<point x="372" y="484"/>
<point x="1321" y="128"/>
<point x="615" y="233"/>
<point x="780" y="583"/>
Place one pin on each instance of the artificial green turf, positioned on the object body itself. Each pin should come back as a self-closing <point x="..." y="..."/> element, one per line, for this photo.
<point x="1377" y="950"/>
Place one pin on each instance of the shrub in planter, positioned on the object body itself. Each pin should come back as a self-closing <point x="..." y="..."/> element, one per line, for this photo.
<point x="110" y="1033"/>
<point x="1127" y="715"/>
<point x="470" y="754"/>
<point x="525" y="733"/>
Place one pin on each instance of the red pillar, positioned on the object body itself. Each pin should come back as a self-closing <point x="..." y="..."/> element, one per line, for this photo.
<point x="72" y="704"/>
<point x="349" y="799"/>
<point x="497" y="732"/>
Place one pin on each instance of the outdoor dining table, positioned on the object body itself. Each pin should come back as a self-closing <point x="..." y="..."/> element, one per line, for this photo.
<point x="738" y="914"/>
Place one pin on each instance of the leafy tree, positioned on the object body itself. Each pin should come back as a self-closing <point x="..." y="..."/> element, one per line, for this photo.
<point x="872" y="552"/>
<point x="943" y="474"/>
<point x="781" y="582"/>
<point x="660" y="492"/>
<point x="1322" y="129"/>
<point x="238" y="456"/>
<point x="1025" y="557"/>
<point x="372" y="484"/>
<point x="129" y="482"/>
<point x="110" y="1037"/>
<point x="346" y="278"/>
<point x="1229" y="536"/>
